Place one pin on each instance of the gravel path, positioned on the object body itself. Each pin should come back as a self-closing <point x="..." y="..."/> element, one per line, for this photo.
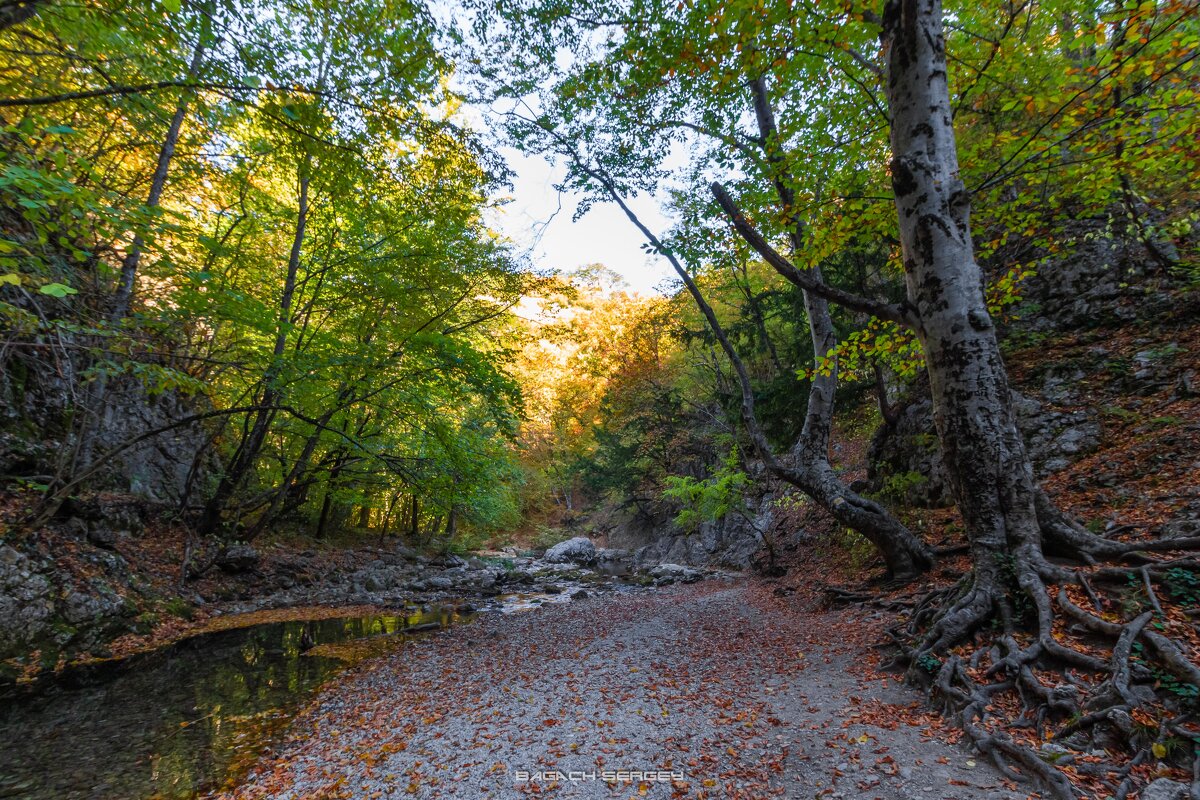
<point x="717" y="690"/>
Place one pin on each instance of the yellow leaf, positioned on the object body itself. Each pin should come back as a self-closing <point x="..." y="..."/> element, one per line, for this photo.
<point x="1159" y="749"/>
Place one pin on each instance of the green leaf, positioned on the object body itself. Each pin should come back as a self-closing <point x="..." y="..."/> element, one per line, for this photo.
<point x="172" y="6"/>
<point x="62" y="129"/>
<point x="58" y="290"/>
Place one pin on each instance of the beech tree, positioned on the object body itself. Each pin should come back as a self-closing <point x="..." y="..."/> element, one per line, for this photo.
<point x="1011" y="524"/>
<point x="610" y="141"/>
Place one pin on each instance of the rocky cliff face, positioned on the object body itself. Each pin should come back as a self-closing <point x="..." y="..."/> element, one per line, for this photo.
<point x="731" y="542"/>
<point x="1103" y="288"/>
<point x="40" y="418"/>
<point x="905" y="460"/>
<point x="1092" y="285"/>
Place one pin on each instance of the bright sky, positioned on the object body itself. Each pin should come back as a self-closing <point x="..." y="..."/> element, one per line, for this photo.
<point x="539" y="219"/>
<point x="604" y="235"/>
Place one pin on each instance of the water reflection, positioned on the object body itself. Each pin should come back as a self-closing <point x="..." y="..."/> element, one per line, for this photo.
<point x="184" y="720"/>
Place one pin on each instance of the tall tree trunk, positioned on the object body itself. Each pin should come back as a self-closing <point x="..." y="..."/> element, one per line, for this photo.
<point x="251" y="446"/>
<point x="1004" y="511"/>
<point x="988" y="470"/>
<point x="129" y="265"/>
<point x="1010" y="522"/>
<point x="903" y="552"/>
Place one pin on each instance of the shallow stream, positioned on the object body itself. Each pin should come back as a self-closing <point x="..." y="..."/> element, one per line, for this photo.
<point x="188" y="718"/>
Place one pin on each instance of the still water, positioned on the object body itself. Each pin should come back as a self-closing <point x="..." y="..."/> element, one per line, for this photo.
<point x="184" y="720"/>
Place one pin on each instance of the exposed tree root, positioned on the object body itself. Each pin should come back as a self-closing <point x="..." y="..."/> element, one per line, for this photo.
<point x="1000" y="632"/>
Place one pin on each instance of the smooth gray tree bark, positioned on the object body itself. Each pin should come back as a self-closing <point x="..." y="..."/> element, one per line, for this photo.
<point x="905" y="554"/>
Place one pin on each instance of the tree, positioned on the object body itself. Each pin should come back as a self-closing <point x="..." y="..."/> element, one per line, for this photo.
<point x="1010" y="523"/>
<point x="610" y="140"/>
<point x="285" y="211"/>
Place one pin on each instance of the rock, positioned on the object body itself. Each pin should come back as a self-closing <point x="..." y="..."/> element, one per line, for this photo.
<point x="124" y="518"/>
<point x="676" y="572"/>
<point x="579" y="550"/>
<point x="157" y="468"/>
<point x="730" y="542"/>
<point x="1164" y="789"/>
<point x="905" y="459"/>
<point x="101" y="535"/>
<point x="26" y="602"/>
<point x="550" y="588"/>
<point x="438" y="582"/>
<point x="238" y="558"/>
<point x="580" y="594"/>
<point x="93" y="606"/>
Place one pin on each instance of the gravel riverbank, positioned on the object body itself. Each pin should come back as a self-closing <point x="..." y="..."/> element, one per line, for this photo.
<point x="716" y="689"/>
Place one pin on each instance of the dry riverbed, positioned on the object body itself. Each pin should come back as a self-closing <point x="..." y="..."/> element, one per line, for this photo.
<point x="716" y="689"/>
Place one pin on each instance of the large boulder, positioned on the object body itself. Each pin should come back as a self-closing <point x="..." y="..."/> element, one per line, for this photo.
<point x="672" y="573"/>
<point x="731" y="542"/>
<point x="238" y="558"/>
<point x="579" y="550"/>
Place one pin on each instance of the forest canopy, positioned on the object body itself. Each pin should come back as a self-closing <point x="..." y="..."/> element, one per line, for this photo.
<point x="281" y="213"/>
